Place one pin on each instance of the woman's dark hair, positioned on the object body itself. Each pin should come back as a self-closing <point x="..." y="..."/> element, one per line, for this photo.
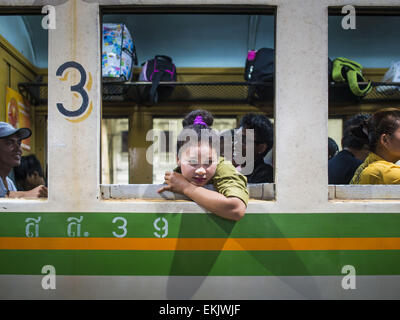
<point x="226" y="138"/>
<point x="263" y="129"/>
<point x="385" y="121"/>
<point x="332" y="148"/>
<point x="29" y="164"/>
<point x="206" y="116"/>
<point x="197" y="125"/>
<point x="350" y="140"/>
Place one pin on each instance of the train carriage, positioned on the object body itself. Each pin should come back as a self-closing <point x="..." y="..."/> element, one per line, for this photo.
<point x="300" y="237"/>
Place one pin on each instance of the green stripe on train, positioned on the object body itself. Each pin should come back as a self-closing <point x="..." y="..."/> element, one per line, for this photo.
<point x="200" y="263"/>
<point x="140" y="225"/>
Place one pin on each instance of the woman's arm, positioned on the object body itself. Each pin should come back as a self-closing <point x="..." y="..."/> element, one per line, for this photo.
<point x="230" y="208"/>
<point x="226" y="207"/>
<point x="38" y="192"/>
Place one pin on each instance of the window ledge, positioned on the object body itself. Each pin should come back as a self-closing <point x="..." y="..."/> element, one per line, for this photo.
<point x="364" y="192"/>
<point x="261" y="191"/>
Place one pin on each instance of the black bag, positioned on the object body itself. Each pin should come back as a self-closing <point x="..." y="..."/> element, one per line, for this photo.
<point x="160" y="68"/>
<point x="260" y="67"/>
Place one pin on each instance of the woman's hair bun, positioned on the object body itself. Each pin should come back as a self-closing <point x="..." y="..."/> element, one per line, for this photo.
<point x="360" y="131"/>
<point x="206" y="117"/>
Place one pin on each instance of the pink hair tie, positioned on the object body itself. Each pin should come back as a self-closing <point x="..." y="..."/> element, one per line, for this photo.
<point x="199" y="120"/>
<point x="251" y="55"/>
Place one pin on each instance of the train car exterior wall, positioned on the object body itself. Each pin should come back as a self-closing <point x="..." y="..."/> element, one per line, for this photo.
<point x="296" y="246"/>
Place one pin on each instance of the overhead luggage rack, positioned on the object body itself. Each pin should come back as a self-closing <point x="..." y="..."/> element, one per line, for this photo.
<point x="224" y="92"/>
<point x="35" y="93"/>
<point x="381" y="92"/>
<point x="114" y="91"/>
<point x="230" y="92"/>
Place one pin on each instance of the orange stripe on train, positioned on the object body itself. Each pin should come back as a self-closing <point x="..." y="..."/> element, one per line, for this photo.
<point x="194" y="244"/>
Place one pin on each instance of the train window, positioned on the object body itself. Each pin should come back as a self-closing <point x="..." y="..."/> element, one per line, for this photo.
<point x="23" y="83"/>
<point x="203" y="75"/>
<point x="335" y="128"/>
<point x="114" y="150"/>
<point x="362" y="44"/>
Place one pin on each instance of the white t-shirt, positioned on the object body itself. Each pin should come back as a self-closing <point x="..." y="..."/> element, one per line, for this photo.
<point x="268" y="159"/>
<point x="3" y="190"/>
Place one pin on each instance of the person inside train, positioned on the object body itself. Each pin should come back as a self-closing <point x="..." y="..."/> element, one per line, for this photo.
<point x="383" y="133"/>
<point x="29" y="174"/>
<point x="226" y="143"/>
<point x="262" y="171"/>
<point x="10" y="157"/>
<point x="333" y="148"/>
<point x="341" y="167"/>
<point x="199" y="165"/>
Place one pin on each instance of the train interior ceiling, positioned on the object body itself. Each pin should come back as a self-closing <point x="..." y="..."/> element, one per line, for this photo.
<point x="206" y="48"/>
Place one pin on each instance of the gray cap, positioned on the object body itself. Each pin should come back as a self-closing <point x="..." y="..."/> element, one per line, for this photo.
<point x="7" y="130"/>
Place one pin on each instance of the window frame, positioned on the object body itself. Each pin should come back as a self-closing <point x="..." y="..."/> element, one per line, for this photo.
<point x="135" y="191"/>
<point x="368" y="193"/>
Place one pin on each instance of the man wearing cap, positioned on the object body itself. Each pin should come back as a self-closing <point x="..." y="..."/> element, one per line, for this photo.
<point x="10" y="157"/>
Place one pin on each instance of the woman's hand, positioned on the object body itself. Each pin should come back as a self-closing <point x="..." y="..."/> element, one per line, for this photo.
<point x="229" y="208"/>
<point x="38" y="192"/>
<point x="175" y="183"/>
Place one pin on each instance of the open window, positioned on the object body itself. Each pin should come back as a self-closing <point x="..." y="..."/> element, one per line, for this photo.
<point x="23" y="81"/>
<point x="365" y="39"/>
<point x="208" y="46"/>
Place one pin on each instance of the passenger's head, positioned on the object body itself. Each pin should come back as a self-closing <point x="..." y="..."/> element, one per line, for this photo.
<point x="10" y="145"/>
<point x="29" y="174"/>
<point x="332" y="148"/>
<point x="190" y="118"/>
<point x="263" y="133"/>
<point x="198" y="148"/>
<point x="226" y="139"/>
<point x="383" y="133"/>
<point x="357" y="145"/>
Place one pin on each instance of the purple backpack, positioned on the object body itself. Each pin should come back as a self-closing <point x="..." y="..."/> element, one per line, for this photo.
<point x="160" y="68"/>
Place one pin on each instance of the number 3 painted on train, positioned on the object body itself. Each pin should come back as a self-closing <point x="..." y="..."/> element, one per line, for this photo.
<point x="123" y="227"/>
<point x="79" y="88"/>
